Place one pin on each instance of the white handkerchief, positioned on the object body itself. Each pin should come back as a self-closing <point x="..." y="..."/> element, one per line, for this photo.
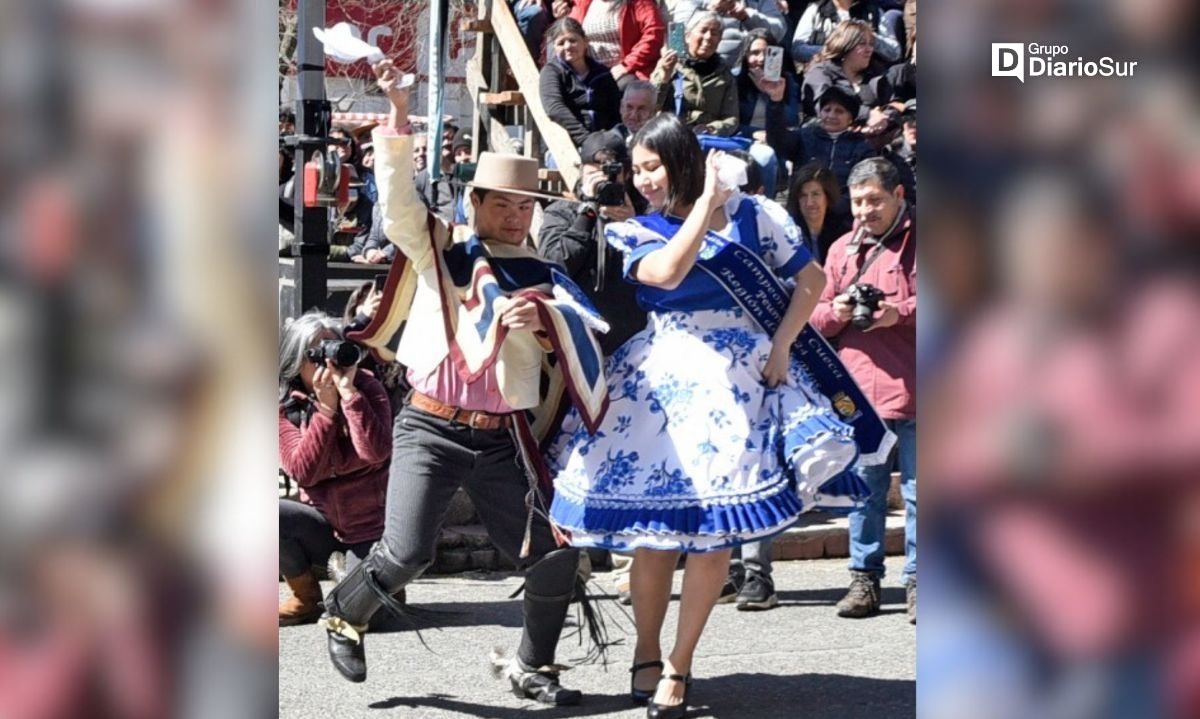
<point x="731" y="172"/>
<point x="341" y="45"/>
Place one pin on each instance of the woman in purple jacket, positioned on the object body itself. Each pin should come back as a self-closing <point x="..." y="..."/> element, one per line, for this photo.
<point x="335" y="442"/>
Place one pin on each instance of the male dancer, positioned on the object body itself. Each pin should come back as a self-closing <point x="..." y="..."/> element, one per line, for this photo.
<point x="478" y="321"/>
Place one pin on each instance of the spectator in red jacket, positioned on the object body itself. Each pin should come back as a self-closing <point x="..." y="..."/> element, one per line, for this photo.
<point x="625" y="35"/>
<point x="880" y="351"/>
<point x="335" y="441"/>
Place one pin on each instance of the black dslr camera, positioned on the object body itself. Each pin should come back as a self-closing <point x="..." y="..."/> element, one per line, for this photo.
<point x="866" y="298"/>
<point x="340" y="352"/>
<point x="610" y="191"/>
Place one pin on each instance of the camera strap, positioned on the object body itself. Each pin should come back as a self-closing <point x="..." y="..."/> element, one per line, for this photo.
<point x="861" y="270"/>
<point x="601" y="252"/>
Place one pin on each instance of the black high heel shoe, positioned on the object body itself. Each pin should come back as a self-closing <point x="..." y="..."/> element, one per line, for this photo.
<point x="641" y="696"/>
<point x="673" y="711"/>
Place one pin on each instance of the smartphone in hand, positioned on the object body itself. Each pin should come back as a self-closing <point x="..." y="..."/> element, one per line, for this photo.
<point x="773" y="63"/>
<point x="675" y="38"/>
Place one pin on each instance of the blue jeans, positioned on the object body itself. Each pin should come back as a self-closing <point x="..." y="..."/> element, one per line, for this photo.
<point x="867" y="525"/>
<point x="802" y="52"/>
<point x="766" y="158"/>
<point x="893" y="20"/>
<point x="532" y="20"/>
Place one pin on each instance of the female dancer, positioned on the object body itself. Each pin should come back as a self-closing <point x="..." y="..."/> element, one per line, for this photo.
<point x="715" y="434"/>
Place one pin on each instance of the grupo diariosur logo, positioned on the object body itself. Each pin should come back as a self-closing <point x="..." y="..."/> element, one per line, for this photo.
<point x="1020" y="60"/>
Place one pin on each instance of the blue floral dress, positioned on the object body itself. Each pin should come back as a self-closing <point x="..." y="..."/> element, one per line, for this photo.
<point x="696" y="453"/>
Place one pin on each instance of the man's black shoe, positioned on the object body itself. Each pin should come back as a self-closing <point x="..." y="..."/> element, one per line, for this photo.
<point x="541" y="685"/>
<point x="733" y="584"/>
<point x="757" y="593"/>
<point x="347" y="653"/>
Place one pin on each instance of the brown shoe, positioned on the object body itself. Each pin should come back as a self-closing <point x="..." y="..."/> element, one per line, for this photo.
<point x="912" y="600"/>
<point x="862" y="600"/>
<point x="304" y="606"/>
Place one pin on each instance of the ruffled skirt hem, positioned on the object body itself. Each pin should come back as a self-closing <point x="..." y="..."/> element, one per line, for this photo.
<point x="690" y="528"/>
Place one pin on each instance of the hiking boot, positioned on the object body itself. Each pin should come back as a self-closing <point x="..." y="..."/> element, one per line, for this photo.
<point x="862" y="600"/>
<point x="757" y="593"/>
<point x="911" y="598"/>
<point x="733" y="584"/>
<point x="304" y="606"/>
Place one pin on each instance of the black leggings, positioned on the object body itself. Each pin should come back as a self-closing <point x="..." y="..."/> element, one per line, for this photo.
<point x="306" y="538"/>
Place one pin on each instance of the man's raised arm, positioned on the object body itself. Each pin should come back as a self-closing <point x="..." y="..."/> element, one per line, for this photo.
<point x="405" y="217"/>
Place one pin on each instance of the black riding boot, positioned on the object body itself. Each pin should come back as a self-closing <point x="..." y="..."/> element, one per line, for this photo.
<point x="549" y="587"/>
<point x="350" y="605"/>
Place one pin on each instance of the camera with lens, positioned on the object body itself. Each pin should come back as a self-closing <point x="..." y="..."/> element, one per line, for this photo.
<point x="340" y="352"/>
<point x="610" y="191"/>
<point x="866" y="298"/>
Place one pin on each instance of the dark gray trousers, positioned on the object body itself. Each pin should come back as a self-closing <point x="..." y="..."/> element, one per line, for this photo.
<point x="431" y="458"/>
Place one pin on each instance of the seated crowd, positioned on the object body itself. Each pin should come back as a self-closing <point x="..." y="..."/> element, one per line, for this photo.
<point x="846" y="91"/>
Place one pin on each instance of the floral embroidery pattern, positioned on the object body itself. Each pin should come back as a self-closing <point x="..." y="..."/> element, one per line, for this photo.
<point x="692" y="437"/>
<point x="617" y="471"/>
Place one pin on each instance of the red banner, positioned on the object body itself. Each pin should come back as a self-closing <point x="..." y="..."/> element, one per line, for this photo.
<point x="394" y="26"/>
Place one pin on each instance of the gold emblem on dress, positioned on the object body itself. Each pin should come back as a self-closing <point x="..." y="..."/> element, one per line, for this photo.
<point x="843" y="404"/>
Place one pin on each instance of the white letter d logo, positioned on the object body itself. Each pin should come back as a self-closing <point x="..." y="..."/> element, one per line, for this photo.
<point x="1008" y="60"/>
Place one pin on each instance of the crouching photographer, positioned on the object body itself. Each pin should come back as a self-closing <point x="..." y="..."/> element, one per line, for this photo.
<point x="335" y="441"/>
<point x="572" y="234"/>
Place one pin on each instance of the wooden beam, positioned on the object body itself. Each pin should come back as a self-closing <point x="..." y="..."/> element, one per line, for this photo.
<point x="535" y="228"/>
<point x="477" y="83"/>
<point x="557" y="140"/>
<point x="475" y="80"/>
<point x="475" y="26"/>
<point x="511" y="98"/>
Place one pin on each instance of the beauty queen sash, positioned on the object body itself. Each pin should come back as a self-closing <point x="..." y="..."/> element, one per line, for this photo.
<point x="754" y="286"/>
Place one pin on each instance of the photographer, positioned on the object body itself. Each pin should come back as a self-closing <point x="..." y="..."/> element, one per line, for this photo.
<point x="572" y="233"/>
<point x="335" y="442"/>
<point x="869" y="308"/>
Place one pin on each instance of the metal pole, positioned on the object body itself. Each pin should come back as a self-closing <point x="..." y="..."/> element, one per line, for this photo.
<point x="312" y="126"/>
<point x="435" y="99"/>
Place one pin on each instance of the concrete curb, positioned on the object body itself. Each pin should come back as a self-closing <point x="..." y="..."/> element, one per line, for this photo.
<point x="824" y="536"/>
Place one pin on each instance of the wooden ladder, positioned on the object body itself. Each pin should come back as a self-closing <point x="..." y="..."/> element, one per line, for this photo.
<point x="500" y="48"/>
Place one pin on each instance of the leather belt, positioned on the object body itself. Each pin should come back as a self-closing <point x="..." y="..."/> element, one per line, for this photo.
<point x="474" y="419"/>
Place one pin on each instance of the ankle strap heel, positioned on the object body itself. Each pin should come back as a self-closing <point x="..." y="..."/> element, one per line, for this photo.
<point x="672" y="711"/>
<point x="641" y="696"/>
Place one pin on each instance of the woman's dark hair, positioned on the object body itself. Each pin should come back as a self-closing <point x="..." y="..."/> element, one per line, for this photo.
<point x="564" y="25"/>
<point x="679" y="152"/>
<point x="355" y="156"/>
<point x="812" y="172"/>
<point x="360" y="293"/>
<point x="754" y="172"/>
<point x="757" y="33"/>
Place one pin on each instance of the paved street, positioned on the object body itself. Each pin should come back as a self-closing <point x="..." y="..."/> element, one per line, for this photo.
<point x="798" y="660"/>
